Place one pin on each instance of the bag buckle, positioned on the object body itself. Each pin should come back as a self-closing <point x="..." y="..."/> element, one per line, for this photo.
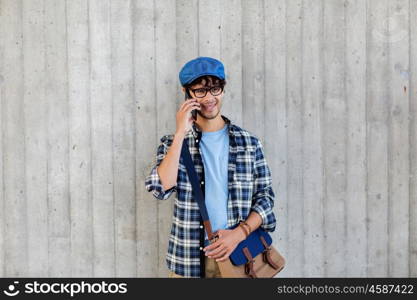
<point x="214" y="239"/>
<point x="267" y="258"/>
<point x="249" y="269"/>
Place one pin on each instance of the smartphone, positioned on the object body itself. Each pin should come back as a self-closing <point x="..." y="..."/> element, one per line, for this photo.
<point x="194" y="111"/>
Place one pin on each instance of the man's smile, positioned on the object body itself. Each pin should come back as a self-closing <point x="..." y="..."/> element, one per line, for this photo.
<point x="209" y="106"/>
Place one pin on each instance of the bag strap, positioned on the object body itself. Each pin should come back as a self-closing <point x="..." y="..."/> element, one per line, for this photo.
<point x="198" y="193"/>
<point x="249" y="270"/>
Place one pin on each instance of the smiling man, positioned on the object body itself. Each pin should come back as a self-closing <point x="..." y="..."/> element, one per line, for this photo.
<point x="232" y="170"/>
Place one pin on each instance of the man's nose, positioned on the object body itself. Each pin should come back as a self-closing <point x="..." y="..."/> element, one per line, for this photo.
<point x="207" y="97"/>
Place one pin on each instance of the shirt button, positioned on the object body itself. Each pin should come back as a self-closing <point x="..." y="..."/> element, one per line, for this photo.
<point x="202" y="182"/>
<point x="201" y="248"/>
<point x="201" y="226"/>
<point x="196" y="140"/>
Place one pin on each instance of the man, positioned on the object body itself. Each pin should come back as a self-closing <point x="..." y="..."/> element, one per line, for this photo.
<point x="232" y="170"/>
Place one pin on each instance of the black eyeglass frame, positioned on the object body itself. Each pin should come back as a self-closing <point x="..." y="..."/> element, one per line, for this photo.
<point x="208" y="89"/>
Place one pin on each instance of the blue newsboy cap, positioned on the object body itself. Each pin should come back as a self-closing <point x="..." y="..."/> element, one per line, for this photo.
<point x="199" y="67"/>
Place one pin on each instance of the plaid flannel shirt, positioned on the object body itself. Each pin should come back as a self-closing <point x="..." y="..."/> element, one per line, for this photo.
<point x="249" y="185"/>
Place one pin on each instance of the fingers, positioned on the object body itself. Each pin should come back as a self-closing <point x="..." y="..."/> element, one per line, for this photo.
<point x="212" y="246"/>
<point x="217" y="243"/>
<point x="222" y="248"/>
<point x="189" y="109"/>
<point x="218" y="253"/>
<point x="224" y="257"/>
<point x="188" y="103"/>
<point x="191" y="106"/>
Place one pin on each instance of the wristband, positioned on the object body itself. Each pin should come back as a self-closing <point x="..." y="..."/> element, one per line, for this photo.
<point x="249" y="228"/>
<point x="245" y="230"/>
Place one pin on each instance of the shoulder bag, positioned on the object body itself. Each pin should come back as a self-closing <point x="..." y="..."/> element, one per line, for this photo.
<point x="254" y="257"/>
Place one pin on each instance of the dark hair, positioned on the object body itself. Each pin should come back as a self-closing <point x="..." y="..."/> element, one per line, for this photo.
<point x="208" y="80"/>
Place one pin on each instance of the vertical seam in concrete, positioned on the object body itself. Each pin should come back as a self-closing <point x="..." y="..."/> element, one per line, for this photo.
<point x="156" y="117"/>
<point x="46" y="119"/>
<point x="263" y="75"/>
<point x="366" y="136"/>
<point x="90" y="121"/>
<point x="320" y="112"/>
<point x="133" y="91"/>
<point x="410" y="140"/>
<point x="2" y="102"/>
<point x="220" y="30"/>
<point x="241" y="66"/>
<point x="346" y="141"/>
<point x="322" y="141"/>
<point x="69" y="136"/>
<point x="286" y="122"/>
<point x="24" y="127"/>
<point x="115" y="244"/>
<point x="198" y="27"/>
<point x="389" y="138"/>
<point x="302" y="106"/>
<point x="243" y="94"/>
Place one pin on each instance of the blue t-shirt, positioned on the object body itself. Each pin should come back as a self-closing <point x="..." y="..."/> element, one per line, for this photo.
<point x="214" y="146"/>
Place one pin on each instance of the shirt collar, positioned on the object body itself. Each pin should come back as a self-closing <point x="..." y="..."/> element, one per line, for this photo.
<point x="196" y="131"/>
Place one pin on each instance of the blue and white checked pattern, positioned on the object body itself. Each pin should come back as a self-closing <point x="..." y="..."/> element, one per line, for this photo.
<point x="250" y="188"/>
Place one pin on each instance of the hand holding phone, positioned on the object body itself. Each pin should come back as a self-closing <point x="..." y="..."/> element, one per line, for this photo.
<point x="184" y="122"/>
<point x="194" y="111"/>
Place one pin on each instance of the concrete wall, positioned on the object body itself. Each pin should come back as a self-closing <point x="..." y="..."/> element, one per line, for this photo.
<point x="87" y="88"/>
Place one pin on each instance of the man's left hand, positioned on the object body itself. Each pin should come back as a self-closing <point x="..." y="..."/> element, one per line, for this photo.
<point x="226" y="243"/>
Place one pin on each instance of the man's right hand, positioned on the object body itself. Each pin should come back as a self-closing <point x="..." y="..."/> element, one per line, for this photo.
<point x="168" y="169"/>
<point x="184" y="118"/>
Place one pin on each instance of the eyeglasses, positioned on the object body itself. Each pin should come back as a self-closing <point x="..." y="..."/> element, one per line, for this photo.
<point x="202" y="92"/>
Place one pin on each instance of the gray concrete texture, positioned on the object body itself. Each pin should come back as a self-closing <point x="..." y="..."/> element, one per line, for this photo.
<point x="87" y="89"/>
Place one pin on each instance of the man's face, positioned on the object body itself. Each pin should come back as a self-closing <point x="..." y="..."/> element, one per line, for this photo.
<point x="210" y="105"/>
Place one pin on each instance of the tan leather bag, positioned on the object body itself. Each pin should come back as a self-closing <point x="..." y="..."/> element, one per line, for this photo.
<point x="265" y="265"/>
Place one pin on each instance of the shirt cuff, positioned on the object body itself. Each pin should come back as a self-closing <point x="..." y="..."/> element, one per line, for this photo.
<point x="154" y="184"/>
<point x="264" y="209"/>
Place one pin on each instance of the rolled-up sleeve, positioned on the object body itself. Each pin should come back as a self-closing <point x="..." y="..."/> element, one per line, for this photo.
<point x="263" y="196"/>
<point x="153" y="182"/>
